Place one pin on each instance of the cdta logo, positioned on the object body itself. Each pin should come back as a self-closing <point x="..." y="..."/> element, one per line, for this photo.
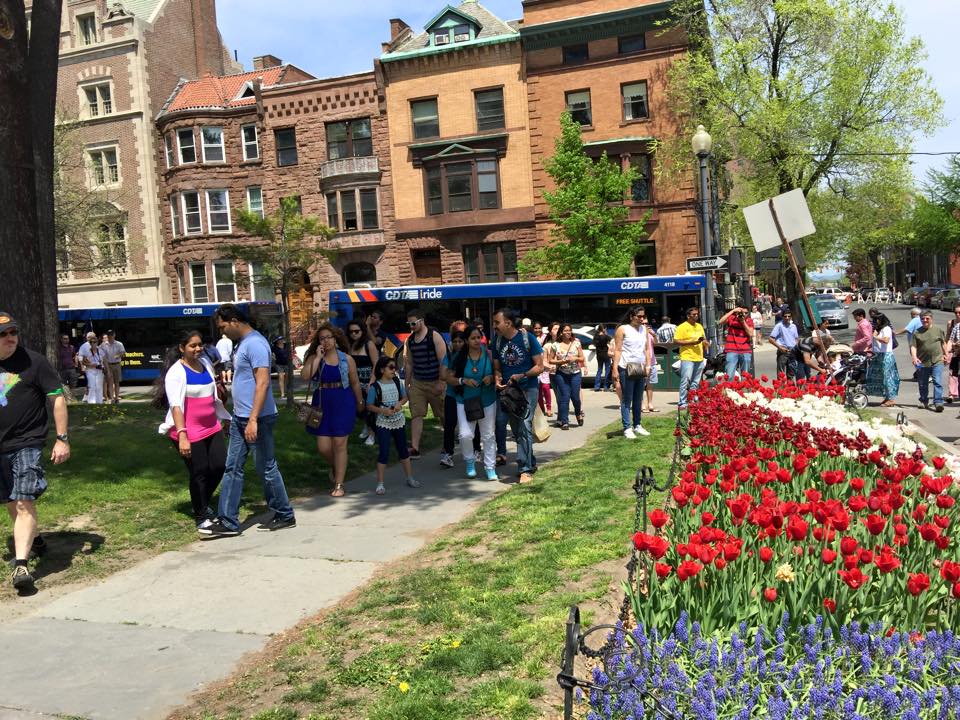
<point x="634" y="285"/>
<point x="400" y="295"/>
<point x="193" y="311"/>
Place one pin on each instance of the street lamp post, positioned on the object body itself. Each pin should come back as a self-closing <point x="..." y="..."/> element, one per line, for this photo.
<point x="702" y="145"/>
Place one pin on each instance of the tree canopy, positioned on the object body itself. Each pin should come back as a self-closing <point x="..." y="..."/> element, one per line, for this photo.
<point x="592" y="235"/>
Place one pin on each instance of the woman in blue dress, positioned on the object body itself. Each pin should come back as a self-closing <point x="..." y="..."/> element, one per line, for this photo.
<point x="338" y="393"/>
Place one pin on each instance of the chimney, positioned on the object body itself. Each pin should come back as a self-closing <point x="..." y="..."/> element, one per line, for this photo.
<point x="262" y="62"/>
<point x="397" y="26"/>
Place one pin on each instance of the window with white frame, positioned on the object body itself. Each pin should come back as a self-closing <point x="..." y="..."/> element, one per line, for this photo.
<point x="104" y="167"/>
<point x="187" y="145"/>
<point x="87" y="29"/>
<point x="251" y="142"/>
<point x="168" y="148"/>
<point x="99" y="100"/>
<point x="578" y="103"/>
<point x="218" y="211"/>
<point x="635" y="101"/>
<point x="111" y="244"/>
<point x="198" y="283"/>
<point x="342" y="210"/>
<point x="212" y="144"/>
<point x="192" y="222"/>
<point x="255" y="200"/>
<point x="224" y="281"/>
<point x="175" y="225"/>
<point x="261" y="284"/>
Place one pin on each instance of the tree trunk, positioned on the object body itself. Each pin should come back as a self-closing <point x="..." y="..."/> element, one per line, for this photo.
<point x="22" y="286"/>
<point x="285" y="315"/>
<point x="42" y="70"/>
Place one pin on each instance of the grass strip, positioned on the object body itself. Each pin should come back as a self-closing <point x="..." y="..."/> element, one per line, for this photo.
<point x="473" y="625"/>
<point x="123" y="494"/>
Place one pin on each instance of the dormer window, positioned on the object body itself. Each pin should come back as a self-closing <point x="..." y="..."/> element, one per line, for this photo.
<point x="441" y="37"/>
<point x="246" y="91"/>
<point x="461" y="33"/>
<point x="452" y="27"/>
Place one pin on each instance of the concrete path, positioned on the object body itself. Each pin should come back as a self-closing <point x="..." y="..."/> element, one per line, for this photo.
<point x="136" y="645"/>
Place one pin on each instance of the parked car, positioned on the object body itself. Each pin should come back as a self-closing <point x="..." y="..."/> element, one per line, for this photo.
<point x="910" y="296"/>
<point x="947" y="299"/>
<point x="832" y="310"/>
<point x="925" y="295"/>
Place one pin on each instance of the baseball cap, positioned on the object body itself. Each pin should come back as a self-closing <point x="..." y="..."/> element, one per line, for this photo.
<point x="527" y="322"/>
<point x="7" y="321"/>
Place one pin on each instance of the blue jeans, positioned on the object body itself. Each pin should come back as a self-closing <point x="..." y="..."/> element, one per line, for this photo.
<point x="631" y="392"/>
<point x="924" y="374"/>
<point x="522" y="430"/>
<point x="690" y="373"/>
<point x="568" y="388"/>
<point x="231" y="487"/>
<point x="604" y="367"/>
<point x="737" y="361"/>
<point x="399" y="438"/>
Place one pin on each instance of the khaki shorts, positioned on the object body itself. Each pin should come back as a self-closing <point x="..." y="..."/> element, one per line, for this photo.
<point x="114" y="371"/>
<point x="423" y="393"/>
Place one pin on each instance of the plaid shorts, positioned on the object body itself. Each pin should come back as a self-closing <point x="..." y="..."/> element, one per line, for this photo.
<point x="21" y="475"/>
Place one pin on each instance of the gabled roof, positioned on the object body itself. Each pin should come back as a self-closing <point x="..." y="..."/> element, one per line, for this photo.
<point x="491" y="30"/>
<point x="223" y="92"/>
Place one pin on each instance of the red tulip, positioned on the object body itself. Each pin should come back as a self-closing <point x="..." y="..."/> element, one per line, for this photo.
<point x="917" y="583"/>
<point x="687" y="569"/>
<point x="828" y="556"/>
<point x="658" y="518"/>
<point x="950" y="571"/>
<point x="848" y="545"/>
<point x="886" y="561"/>
<point x="857" y="483"/>
<point x="707" y="518"/>
<point x="939" y="462"/>
<point x="929" y="532"/>
<point x="657" y="546"/>
<point x="830" y="604"/>
<point x="956" y="590"/>
<point x="875" y="523"/>
<point x="797" y="528"/>
<point x="853" y="578"/>
<point x="766" y="554"/>
<point x="662" y="569"/>
<point x="945" y="501"/>
<point x="770" y="594"/>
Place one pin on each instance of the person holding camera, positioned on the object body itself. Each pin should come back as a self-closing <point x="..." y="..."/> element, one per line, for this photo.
<point x="738" y="344"/>
<point x="693" y="343"/>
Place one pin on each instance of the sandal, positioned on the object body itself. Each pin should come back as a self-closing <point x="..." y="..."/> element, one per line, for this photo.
<point x="888" y="403"/>
<point x="652" y="410"/>
<point x="580" y="419"/>
<point x="338" y="491"/>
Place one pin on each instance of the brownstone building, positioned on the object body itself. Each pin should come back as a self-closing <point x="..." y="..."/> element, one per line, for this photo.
<point x="119" y="61"/>
<point x="460" y="148"/>
<point x="249" y="139"/>
<point x="606" y="61"/>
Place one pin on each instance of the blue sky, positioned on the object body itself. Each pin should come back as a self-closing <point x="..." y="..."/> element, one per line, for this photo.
<point x="329" y="38"/>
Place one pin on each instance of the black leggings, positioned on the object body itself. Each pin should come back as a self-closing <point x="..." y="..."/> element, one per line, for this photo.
<point x="207" y="459"/>
<point x="450" y="426"/>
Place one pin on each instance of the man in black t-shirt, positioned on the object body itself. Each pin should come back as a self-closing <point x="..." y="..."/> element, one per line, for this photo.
<point x="601" y="344"/>
<point x="26" y="381"/>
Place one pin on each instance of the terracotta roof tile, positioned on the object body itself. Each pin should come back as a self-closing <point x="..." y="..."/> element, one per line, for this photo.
<point x="220" y="92"/>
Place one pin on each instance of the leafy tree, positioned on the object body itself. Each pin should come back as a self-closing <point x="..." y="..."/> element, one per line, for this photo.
<point x="808" y="93"/>
<point x="289" y="244"/>
<point x="28" y="88"/>
<point x="935" y="222"/>
<point x="592" y="236"/>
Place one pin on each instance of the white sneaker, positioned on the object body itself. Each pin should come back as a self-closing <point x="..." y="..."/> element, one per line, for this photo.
<point x="365" y="433"/>
<point x="371" y="440"/>
<point x="446" y="460"/>
<point x="629" y="434"/>
<point x="413" y="482"/>
<point x="640" y="430"/>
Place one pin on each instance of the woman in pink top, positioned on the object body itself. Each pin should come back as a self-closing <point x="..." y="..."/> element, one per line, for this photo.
<point x="187" y="388"/>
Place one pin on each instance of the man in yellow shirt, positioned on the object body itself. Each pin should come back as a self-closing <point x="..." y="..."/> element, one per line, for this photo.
<point x="692" y="341"/>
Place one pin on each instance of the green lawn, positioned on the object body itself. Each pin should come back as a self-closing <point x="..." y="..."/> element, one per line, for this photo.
<point x="123" y="494"/>
<point x="473" y="626"/>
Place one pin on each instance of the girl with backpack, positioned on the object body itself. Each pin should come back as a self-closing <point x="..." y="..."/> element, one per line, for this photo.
<point x="385" y="399"/>
<point x="470" y="374"/>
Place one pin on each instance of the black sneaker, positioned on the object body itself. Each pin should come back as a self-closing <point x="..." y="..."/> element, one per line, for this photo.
<point x="414" y="454"/>
<point x="22" y="579"/>
<point x="938" y="408"/>
<point x="216" y="529"/>
<point x="276" y="523"/>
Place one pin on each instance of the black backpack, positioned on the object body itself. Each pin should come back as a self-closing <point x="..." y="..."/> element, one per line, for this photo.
<point x="378" y="392"/>
<point x="513" y="400"/>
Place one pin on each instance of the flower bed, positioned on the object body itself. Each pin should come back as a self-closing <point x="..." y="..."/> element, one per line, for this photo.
<point x="816" y="555"/>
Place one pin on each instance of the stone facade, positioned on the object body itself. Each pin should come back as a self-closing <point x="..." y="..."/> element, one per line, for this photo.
<point x="305" y="105"/>
<point x="131" y="57"/>
<point x="434" y="245"/>
<point x="600" y="47"/>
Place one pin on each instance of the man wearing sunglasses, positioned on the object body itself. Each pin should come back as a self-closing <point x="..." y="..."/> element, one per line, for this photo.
<point x="424" y="351"/>
<point x="26" y="381"/>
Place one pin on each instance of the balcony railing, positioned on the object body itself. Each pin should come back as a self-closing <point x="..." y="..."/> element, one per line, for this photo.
<point x="333" y="171"/>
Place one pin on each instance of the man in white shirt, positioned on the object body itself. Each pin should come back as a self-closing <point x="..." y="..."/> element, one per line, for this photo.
<point x="225" y="348"/>
<point x="87" y="360"/>
<point x="666" y="331"/>
<point x="112" y="352"/>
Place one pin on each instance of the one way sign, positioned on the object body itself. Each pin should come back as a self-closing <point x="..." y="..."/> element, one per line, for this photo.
<point x="709" y="262"/>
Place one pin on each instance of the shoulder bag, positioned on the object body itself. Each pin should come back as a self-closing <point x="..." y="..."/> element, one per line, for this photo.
<point x="307" y="414"/>
<point x="473" y="406"/>
<point x="638" y="370"/>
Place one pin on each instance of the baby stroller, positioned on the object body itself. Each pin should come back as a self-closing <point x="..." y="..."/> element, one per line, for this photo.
<point x="849" y="371"/>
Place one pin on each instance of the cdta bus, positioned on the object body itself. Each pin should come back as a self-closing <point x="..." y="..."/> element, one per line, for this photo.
<point x="147" y="331"/>
<point x="579" y="302"/>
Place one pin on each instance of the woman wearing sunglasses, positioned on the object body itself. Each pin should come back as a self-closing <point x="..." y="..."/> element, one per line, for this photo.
<point x="338" y="393"/>
<point x="92" y="361"/>
<point x="364" y="352"/>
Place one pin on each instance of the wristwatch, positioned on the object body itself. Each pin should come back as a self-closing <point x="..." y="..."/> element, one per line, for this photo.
<point x="63" y="438"/>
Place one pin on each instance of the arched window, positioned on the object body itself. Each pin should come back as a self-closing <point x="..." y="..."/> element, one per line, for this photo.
<point x="359" y="273"/>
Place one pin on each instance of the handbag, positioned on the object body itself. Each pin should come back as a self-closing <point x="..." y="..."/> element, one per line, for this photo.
<point x="513" y="400"/>
<point x="636" y="371"/>
<point x="541" y="428"/>
<point x="473" y="408"/>
<point x="307" y="414"/>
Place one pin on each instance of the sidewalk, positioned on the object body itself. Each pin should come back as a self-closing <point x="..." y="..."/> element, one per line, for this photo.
<point x="136" y="645"/>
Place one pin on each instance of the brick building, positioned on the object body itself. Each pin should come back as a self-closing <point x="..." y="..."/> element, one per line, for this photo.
<point x="460" y="147"/>
<point x="249" y="139"/>
<point x="606" y="61"/>
<point x="118" y="62"/>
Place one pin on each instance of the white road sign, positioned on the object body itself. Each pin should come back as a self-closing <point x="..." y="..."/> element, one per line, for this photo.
<point x="794" y="216"/>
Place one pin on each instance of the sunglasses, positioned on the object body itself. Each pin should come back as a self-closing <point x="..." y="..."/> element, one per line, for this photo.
<point x="325" y="337"/>
<point x="413" y="323"/>
<point x="12" y="332"/>
<point x="390" y="367"/>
